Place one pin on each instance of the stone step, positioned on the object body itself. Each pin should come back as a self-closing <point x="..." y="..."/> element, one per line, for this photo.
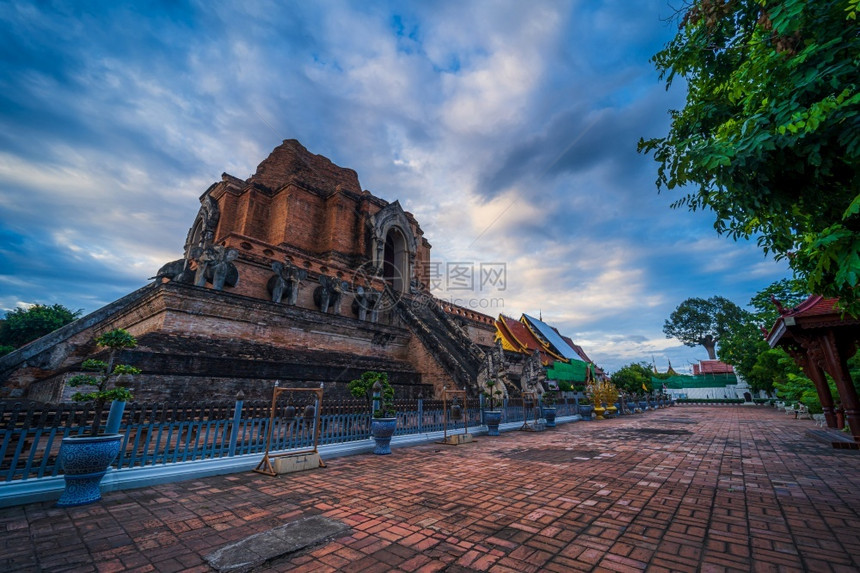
<point x="267" y="546"/>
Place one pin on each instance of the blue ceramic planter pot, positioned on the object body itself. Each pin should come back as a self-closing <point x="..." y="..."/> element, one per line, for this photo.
<point x="643" y="405"/>
<point x="492" y="418"/>
<point x="382" y="429"/>
<point x="585" y="411"/>
<point x="549" y="416"/>
<point x="85" y="460"/>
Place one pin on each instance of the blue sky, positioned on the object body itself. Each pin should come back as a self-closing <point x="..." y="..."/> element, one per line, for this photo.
<point x="508" y="129"/>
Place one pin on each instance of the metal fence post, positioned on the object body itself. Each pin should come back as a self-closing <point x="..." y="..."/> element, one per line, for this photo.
<point x="237" y="419"/>
<point x="420" y="415"/>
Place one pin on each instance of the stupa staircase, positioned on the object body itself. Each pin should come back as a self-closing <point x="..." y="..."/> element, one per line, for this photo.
<point x="441" y="336"/>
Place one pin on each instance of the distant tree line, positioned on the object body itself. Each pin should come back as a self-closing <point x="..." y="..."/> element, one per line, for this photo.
<point x="772" y="369"/>
<point x="24" y="325"/>
<point x="739" y="337"/>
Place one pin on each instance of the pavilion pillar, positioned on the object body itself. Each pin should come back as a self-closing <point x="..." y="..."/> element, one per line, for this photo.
<point x="816" y="374"/>
<point x="805" y="358"/>
<point x="836" y="364"/>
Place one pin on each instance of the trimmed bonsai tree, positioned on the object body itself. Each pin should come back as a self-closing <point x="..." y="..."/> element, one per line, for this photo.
<point x="493" y="394"/>
<point x="363" y="387"/>
<point x="103" y="374"/>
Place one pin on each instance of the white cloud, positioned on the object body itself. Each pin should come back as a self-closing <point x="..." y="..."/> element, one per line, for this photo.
<point x="508" y="129"/>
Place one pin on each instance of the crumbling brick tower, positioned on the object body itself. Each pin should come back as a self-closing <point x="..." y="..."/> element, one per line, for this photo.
<point x="304" y="209"/>
<point x="295" y="274"/>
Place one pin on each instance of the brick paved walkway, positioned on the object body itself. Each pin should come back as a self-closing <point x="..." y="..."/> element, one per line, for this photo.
<point x="688" y="488"/>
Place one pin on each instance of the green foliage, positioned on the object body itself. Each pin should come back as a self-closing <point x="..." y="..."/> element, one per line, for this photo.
<point x="769" y="137"/>
<point x="101" y="392"/>
<point x="795" y="388"/>
<point x="788" y="292"/>
<point x="23" y="326"/>
<point x="698" y="321"/>
<point x="117" y="339"/>
<point x="743" y="345"/>
<point x="791" y="385"/>
<point x="630" y="378"/>
<point x="854" y="370"/>
<point x="741" y="349"/>
<point x="564" y="386"/>
<point x="103" y="373"/>
<point x="494" y="395"/>
<point x="4" y="350"/>
<point x="549" y="398"/>
<point x="773" y="369"/>
<point x="363" y="388"/>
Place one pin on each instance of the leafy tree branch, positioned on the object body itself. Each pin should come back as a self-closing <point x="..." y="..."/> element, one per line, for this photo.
<point x="769" y="138"/>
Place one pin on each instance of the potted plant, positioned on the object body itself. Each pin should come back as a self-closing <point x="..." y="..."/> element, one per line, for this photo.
<point x="86" y="458"/>
<point x="548" y="399"/>
<point x="585" y="410"/>
<point x="492" y="413"/>
<point x="375" y="388"/>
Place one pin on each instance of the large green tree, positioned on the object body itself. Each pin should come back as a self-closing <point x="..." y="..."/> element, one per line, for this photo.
<point x="769" y="137"/>
<point x="634" y="378"/>
<point x="744" y="346"/>
<point x="699" y="321"/>
<point x="26" y="325"/>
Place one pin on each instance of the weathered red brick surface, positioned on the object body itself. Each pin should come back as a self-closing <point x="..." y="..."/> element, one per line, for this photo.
<point x="302" y="205"/>
<point x="688" y="488"/>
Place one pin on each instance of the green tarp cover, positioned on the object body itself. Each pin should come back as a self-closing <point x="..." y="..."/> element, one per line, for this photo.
<point x="706" y="381"/>
<point x="576" y="371"/>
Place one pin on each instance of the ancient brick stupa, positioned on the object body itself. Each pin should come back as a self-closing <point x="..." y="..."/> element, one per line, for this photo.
<point x="295" y="274"/>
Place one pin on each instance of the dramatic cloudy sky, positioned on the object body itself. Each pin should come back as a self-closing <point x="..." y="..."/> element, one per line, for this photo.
<point x="508" y="129"/>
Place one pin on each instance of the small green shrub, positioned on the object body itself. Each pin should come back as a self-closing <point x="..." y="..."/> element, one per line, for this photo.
<point x="103" y="373"/>
<point x="363" y="388"/>
<point x="495" y="396"/>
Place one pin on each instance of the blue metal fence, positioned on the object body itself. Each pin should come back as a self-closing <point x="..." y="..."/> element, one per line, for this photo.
<point x="160" y="434"/>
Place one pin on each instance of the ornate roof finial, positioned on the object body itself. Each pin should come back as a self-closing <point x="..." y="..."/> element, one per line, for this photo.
<point x="779" y="307"/>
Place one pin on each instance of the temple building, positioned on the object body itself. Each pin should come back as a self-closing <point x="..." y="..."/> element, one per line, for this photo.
<point x="564" y="360"/>
<point x="299" y="276"/>
<point x="670" y="371"/>
<point x="295" y="275"/>
<point x="711" y="379"/>
<point x="712" y="367"/>
<point x="821" y="338"/>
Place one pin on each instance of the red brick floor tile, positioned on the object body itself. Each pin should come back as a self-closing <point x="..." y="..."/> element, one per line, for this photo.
<point x="744" y="489"/>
